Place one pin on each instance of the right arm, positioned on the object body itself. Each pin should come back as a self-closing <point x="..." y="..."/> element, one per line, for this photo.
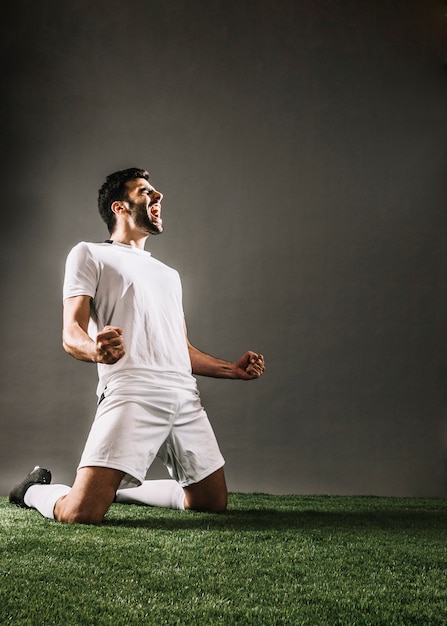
<point x="108" y="347"/>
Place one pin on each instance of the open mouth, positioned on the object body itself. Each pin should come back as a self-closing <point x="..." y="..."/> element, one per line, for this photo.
<point x="154" y="214"/>
<point x="155" y="210"/>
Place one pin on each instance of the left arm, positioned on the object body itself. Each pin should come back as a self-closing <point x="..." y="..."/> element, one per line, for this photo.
<point x="248" y="367"/>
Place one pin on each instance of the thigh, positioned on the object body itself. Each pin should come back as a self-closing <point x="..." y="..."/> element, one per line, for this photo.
<point x="127" y="432"/>
<point x="191" y="452"/>
<point x="210" y="494"/>
<point x="90" y="497"/>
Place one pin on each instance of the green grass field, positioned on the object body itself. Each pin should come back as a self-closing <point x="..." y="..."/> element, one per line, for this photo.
<point x="268" y="560"/>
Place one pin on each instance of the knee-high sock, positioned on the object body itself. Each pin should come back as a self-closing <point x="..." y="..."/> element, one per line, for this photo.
<point x="163" y="493"/>
<point x="44" y="498"/>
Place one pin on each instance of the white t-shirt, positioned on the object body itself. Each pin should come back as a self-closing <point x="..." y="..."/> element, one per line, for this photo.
<point x="132" y="290"/>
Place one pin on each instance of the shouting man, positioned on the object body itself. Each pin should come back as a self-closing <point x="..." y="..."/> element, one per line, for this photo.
<point x="123" y="310"/>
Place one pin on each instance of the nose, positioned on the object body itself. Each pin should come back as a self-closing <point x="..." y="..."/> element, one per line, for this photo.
<point x="156" y="195"/>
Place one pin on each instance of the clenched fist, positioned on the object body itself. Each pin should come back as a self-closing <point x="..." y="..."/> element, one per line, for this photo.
<point x="109" y="345"/>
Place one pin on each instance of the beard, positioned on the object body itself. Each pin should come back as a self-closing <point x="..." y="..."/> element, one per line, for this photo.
<point x="144" y="220"/>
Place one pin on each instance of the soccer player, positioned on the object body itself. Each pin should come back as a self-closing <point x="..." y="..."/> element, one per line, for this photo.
<point x="123" y="311"/>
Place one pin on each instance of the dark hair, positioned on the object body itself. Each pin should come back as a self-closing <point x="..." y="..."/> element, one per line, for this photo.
<point x="114" y="189"/>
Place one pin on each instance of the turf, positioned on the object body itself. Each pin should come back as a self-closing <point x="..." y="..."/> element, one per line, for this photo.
<point x="270" y="560"/>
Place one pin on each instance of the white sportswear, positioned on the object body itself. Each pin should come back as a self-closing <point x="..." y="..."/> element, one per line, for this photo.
<point x="132" y="290"/>
<point x="149" y="403"/>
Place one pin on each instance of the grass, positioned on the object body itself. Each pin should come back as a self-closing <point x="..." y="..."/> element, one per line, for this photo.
<point x="270" y="560"/>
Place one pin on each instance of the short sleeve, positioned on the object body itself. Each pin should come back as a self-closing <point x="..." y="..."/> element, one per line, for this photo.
<point x="81" y="272"/>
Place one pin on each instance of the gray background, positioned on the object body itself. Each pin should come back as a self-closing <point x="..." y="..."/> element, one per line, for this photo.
<point x="301" y="148"/>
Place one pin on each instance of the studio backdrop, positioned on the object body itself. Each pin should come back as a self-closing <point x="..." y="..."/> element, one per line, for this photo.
<point x="301" y="150"/>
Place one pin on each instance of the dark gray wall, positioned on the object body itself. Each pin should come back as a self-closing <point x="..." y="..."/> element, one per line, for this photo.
<point x="301" y="148"/>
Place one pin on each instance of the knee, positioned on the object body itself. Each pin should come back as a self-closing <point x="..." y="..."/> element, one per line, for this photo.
<point x="208" y="505"/>
<point x="220" y="504"/>
<point x="78" y="516"/>
<point x="85" y="518"/>
<point x="209" y="495"/>
<point x="219" y="507"/>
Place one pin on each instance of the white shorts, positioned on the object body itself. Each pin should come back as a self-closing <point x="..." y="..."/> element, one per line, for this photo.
<point x="133" y="426"/>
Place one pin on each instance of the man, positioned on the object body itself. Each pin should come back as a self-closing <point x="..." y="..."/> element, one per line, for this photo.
<point x="123" y="311"/>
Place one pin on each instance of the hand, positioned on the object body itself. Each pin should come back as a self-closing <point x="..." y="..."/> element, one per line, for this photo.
<point x="109" y="345"/>
<point x="250" y="366"/>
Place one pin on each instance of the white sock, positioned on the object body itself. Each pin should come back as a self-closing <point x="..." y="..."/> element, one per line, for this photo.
<point x="163" y="493"/>
<point x="44" y="497"/>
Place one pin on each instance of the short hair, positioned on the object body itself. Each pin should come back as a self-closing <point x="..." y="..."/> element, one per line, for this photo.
<point x="114" y="189"/>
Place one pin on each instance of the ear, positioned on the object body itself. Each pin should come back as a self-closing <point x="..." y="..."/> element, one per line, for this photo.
<point x="117" y="207"/>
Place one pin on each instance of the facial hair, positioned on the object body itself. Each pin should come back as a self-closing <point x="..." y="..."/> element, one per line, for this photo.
<point x="142" y="218"/>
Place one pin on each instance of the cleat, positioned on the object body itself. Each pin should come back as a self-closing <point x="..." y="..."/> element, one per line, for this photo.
<point x="38" y="476"/>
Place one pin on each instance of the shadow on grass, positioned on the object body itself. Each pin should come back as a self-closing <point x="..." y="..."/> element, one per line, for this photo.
<point x="271" y="519"/>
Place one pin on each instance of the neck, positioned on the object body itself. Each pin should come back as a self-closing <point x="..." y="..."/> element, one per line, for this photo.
<point x="129" y="239"/>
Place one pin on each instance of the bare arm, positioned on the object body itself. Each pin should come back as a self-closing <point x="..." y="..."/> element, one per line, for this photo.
<point x="248" y="367"/>
<point x="107" y="348"/>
